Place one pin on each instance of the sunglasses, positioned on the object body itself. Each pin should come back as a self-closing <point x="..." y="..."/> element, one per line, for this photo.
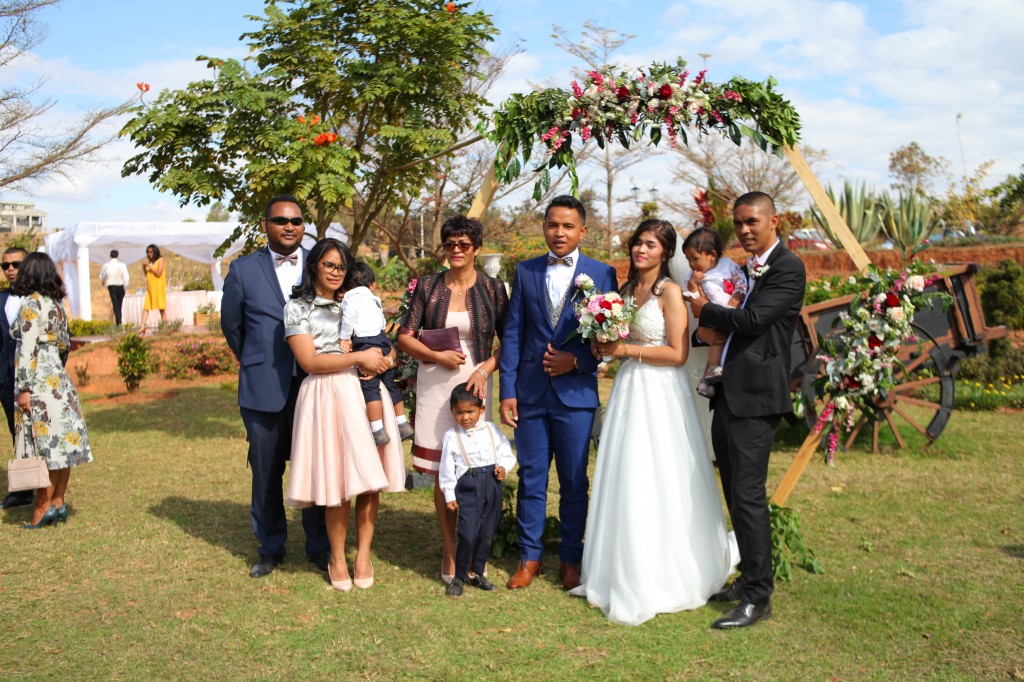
<point x="282" y="221"/>
<point x="330" y="267"/>
<point x="13" y="264"/>
<point x="461" y="246"/>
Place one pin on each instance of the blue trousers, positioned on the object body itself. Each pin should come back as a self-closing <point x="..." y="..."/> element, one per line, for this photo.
<point x="270" y="443"/>
<point x="478" y="493"/>
<point x="550" y="430"/>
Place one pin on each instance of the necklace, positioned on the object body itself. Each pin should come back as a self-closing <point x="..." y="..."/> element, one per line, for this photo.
<point x="458" y="292"/>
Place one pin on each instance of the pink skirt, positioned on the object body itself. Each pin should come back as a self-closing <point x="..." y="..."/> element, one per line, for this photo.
<point x="333" y="457"/>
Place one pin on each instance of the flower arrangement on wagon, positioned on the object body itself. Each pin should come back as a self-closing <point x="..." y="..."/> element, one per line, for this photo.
<point x="861" y="362"/>
<point x="603" y="317"/>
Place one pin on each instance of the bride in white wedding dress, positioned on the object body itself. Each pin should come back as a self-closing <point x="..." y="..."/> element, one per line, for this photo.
<point x="656" y="536"/>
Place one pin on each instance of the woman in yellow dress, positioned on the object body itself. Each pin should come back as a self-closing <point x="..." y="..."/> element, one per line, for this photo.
<point x="156" y="284"/>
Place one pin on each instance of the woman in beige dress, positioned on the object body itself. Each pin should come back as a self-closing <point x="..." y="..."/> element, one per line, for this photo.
<point x="476" y="305"/>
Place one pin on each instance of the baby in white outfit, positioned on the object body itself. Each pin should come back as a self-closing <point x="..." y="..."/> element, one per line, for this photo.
<point x="721" y="281"/>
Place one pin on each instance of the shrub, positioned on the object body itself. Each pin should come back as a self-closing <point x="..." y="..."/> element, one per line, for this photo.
<point x="133" y="360"/>
<point x="194" y="358"/>
<point x="1002" y="294"/>
<point x="168" y="327"/>
<point x="90" y="327"/>
<point x="1002" y="360"/>
<point x="393" y="275"/>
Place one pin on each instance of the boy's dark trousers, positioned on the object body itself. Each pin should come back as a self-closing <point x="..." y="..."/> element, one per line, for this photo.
<point x="478" y="493"/>
<point x="371" y="387"/>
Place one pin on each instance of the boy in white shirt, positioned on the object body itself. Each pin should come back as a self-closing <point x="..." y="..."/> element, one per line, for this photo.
<point x="475" y="456"/>
<point x="363" y="323"/>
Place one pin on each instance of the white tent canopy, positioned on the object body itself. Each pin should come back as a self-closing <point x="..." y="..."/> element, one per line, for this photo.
<point x="84" y="242"/>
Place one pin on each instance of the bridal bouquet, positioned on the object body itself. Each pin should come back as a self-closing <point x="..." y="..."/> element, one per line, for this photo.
<point x="604" y="317"/>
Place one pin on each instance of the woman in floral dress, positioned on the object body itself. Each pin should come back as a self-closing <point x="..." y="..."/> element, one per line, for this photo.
<point x="49" y="422"/>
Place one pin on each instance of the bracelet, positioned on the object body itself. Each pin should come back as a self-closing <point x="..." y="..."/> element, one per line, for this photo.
<point x="640" y="355"/>
<point x="481" y="372"/>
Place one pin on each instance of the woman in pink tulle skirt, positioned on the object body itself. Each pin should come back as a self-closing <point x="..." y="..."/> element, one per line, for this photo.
<point x="333" y="458"/>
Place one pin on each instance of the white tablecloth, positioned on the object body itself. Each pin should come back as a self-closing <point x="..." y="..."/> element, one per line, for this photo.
<point x="181" y="305"/>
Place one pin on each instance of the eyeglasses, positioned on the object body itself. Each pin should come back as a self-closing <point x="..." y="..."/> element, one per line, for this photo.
<point x="461" y="246"/>
<point x="13" y="264"/>
<point x="282" y="221"/>
<point x="333" y="267"/>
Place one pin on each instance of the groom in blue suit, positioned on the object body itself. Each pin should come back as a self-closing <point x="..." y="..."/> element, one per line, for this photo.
<point x="252" y="319"/>
<point x="549" y="389"/>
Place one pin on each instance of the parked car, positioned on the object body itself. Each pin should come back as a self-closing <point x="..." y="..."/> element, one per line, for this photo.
<point x="808" y="238"/>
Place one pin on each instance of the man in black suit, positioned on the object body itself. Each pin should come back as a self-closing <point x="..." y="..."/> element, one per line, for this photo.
<point x="753" y="396"/>
<point x="11" y="261"/>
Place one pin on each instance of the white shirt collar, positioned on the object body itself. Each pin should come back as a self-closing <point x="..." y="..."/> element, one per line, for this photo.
<point x="761" y="260"/>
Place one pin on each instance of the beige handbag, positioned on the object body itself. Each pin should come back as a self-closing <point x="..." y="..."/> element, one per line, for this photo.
<point x="29" y="473"/>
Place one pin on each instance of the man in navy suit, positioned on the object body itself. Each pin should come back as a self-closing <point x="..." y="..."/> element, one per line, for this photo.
<point x="11" y="261"/>
<point x="753" y="396"/>
<point x="549" y="389"/>
<point x="252" y="319"/>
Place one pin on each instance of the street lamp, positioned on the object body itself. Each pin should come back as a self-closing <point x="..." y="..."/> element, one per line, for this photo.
<point x="635" y="191"/>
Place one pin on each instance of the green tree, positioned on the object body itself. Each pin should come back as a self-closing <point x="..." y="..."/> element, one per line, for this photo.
<point x="914" y="171"/>
<point x="218" y="213"/>
<point x="338" y="104"/>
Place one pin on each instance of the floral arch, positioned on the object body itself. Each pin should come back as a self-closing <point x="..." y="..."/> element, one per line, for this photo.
<point x="651" y="104"/>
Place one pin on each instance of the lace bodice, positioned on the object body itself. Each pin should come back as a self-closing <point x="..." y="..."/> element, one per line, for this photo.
<point x="648" y="325"/>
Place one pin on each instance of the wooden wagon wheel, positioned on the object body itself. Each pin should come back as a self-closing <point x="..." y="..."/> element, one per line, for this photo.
<point x="925" y="364"/>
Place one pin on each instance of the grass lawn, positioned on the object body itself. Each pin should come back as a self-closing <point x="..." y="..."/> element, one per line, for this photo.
<point x="923" y="551"/>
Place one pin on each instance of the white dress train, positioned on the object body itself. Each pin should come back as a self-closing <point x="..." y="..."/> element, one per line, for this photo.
<point x="656" y="537"/>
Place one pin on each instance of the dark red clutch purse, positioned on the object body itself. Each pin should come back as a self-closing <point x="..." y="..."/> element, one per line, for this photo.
<point x="440" y="340"/>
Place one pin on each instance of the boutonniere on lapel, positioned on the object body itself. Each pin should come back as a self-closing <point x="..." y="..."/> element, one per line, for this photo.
<point x="756" y="270"/>
<point x="584" y="285"/>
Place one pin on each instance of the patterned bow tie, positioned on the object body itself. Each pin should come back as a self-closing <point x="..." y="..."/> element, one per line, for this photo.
<point x="280" y="260"/>
<point x="554" y="260"/>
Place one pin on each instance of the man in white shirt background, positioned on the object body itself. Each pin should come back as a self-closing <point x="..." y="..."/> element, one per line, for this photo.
<point x="114" y="276"/>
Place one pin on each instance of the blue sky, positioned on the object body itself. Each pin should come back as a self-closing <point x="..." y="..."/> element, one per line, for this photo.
<point x="866" y="77"/>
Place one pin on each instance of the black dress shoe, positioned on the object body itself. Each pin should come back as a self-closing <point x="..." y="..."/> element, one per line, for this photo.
<point x="265" y="566"/>
<point x="747" y="613"/>
<point x="17" y="499"/>
<point x="730" y="593"/>
<point x="321" y="559"/>
<point x="481" y="582"/>
<point x="454" y="589"/>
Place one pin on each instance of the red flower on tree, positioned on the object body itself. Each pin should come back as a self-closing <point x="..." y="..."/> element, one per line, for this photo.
<point x="143" y="87"/>
<point x="450" y="7"/>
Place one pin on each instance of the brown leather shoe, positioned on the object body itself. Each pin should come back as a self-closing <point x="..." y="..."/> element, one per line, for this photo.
<point x="524" y="575"/>
<point x="570" y="576"/>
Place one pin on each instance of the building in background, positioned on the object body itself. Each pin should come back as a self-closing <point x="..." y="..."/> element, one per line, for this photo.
<point x="21" y="217"/>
